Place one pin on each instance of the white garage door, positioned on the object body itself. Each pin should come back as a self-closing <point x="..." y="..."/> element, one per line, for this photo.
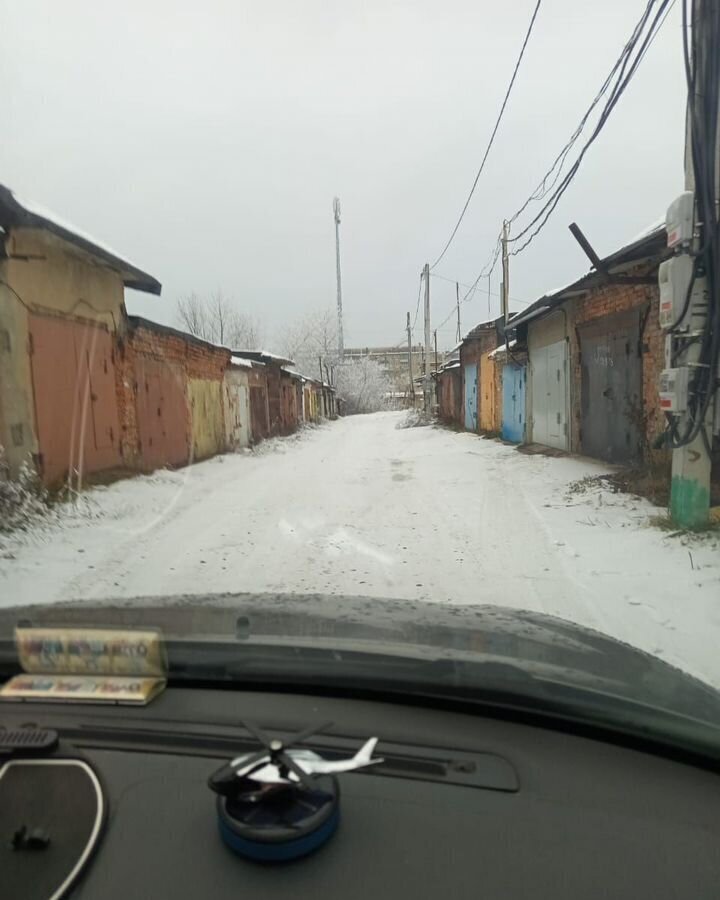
<point x="549" y="395"/>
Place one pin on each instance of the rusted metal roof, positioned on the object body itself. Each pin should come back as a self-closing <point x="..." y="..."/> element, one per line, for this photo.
<point x="649" y="246"/>
<point x="14" y="214"/>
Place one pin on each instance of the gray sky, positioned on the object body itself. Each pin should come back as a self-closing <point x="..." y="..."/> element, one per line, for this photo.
<point x="206" y="142"/>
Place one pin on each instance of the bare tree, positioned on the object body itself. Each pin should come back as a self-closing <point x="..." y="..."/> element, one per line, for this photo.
<point x="216" y="319"/>
<point x="192" y="315"/>
<point x="311" y="341"/>
<point x="364" y="385"/>
<point x="311" y="338"/>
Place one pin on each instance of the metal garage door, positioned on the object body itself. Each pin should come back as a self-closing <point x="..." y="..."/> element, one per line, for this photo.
<point x="162" y="413"/>
<point x="611" y="388"/>
<point x="258" y="413"/>
<point x="471" y="397"/>
<point x="513" y="419"/>
<point x="75" y="401"/>
<point x="549" y="395"/>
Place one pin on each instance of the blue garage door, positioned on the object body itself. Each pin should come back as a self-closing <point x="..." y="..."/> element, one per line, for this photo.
<point x="471" y="397"/>
<point x="513" y="419"/>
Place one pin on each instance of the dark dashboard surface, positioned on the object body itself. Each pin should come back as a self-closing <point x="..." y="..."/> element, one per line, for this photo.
<point x="467" y="807"/>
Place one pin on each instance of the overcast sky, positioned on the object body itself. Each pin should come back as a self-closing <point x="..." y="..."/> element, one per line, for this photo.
<point x="206" y="141"/>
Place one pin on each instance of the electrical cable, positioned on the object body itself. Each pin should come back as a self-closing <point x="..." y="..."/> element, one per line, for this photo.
<point x="620" y="76"/>
<point x="417" y="307"/>
<point x="492" y="136"/>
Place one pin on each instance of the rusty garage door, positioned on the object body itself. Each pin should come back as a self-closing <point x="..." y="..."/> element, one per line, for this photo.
<point x="162" y="416"/>
<point x="75" y="401"/>
<point x="258" y="413"/>
<point x="611" y="388"/>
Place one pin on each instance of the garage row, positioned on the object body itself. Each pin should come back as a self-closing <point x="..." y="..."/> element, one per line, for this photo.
<point x="577" y="370"/>
<point x="90" y="392"/>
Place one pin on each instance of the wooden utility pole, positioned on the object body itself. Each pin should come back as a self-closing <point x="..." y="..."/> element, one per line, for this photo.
<point x="427" y="385"/>
<point x="506" y="275"/>
<point x="457" y="303"/>
<point x="691" y="463"/>
<point x="410" y="371"/>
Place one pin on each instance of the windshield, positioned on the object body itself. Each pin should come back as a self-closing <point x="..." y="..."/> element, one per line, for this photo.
<point x="389" y="314"/>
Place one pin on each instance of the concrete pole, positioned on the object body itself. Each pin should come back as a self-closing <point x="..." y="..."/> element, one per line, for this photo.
<point x="410" y="367"/>
<point x="427" y="398"/>
<point x="691" y="464"/>
<point x="341" y="342"/>
<point x="506" y="275"/>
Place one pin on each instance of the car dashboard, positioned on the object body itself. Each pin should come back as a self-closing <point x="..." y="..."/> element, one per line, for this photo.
<point x="464" y="804"/>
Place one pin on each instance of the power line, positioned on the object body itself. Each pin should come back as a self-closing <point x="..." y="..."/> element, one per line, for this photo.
<point x="493" y="293"/>
<point x="622" y="72"/>
<point x="417" y="308"/>
<point x="492" y="136"/>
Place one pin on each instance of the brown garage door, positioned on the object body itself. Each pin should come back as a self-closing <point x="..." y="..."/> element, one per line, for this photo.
<point x="258" y="413"/>
<point x="611" y="388"/>
<point x="162" y="415"/>
<point x="75" y="402"/>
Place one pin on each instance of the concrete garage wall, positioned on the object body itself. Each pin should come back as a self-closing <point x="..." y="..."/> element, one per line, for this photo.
<point x="49" y="277"/>
<point x="207" y="422"/>
<point x="17" y="417"/>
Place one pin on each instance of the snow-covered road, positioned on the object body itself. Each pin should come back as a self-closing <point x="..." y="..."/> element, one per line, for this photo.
<point x="363" y="507"/>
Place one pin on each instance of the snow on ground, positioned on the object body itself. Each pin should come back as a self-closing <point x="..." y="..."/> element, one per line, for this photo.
<point x="362" y="507"/>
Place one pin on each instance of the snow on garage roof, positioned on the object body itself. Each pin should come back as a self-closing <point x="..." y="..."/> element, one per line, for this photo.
<point x="503" y="348"/>
<point x="23" y="214"/>
<point x="264" y="356"/>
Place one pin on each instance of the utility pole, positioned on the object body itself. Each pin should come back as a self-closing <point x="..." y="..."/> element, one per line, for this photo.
<point x="436" y="359"/>
<point x="506" y="275"/>
<point x="410" y="371"/>
<point x="691" y="463"/>
<point x="427" y="398"/>
<point x="457" y="303"/>
<point x="336" y="213"/>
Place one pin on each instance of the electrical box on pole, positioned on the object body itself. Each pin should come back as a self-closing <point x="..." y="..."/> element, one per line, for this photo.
<point x="673" y="390"/>
<point x="679" y="220"/>
<point x="674" y="280"/>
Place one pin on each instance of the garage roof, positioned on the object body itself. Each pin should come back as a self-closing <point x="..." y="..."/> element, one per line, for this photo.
<point x="17" y="214"/>
<point x="650" y="245"/>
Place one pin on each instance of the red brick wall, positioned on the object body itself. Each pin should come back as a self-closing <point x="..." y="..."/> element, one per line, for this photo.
<point x="608" y="301"/>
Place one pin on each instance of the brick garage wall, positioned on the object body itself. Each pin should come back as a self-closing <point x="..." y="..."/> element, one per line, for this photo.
<point x="471" y="352"/>
<point x="196" y="359"/>
<point x="605" y="302"/>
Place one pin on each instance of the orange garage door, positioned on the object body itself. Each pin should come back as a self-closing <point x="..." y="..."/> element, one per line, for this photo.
<point x="75" y="402"/>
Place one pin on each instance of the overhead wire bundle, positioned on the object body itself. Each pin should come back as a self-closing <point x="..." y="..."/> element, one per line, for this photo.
<point x="492" y="135"/>
<point x="551" y="185"/>
<point x="702" y="69"/>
